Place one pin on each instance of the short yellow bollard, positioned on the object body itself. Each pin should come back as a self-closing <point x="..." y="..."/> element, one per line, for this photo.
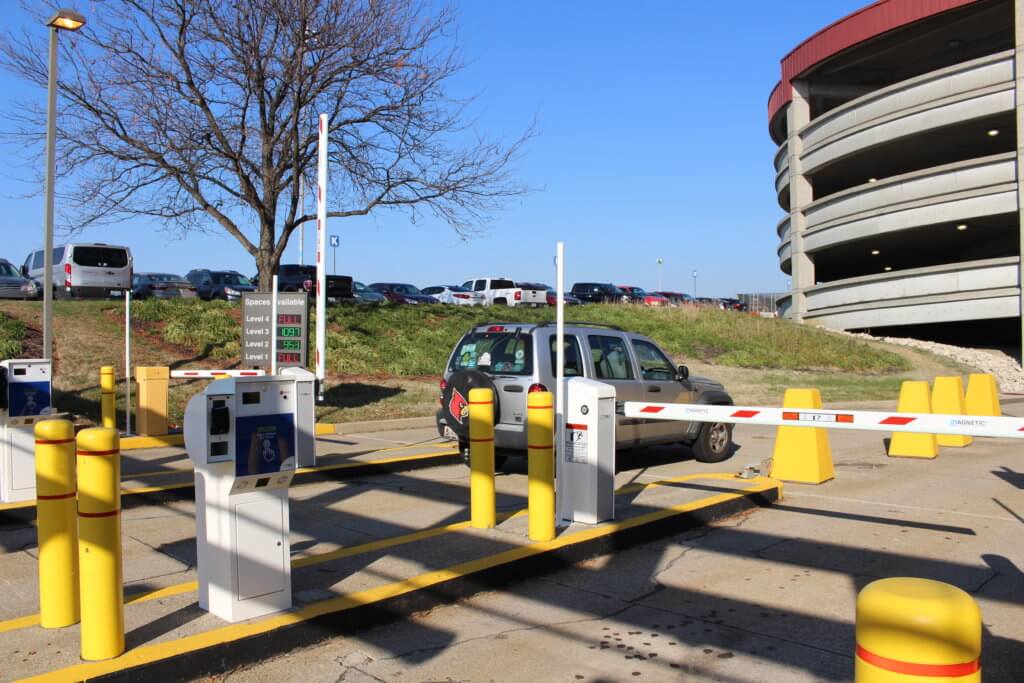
<point x="916" y="630"/>
<point x="99" y="543"/>
<point x="151" y="413"/>
<point x="983" y="396"/>
<point x="482" y="511"/>
<point x="948" y="399"/>
<point x="56" y="523"/>
<point x="108" y="398"/>
<point x="802" y="454"/>
<point x="540" y="438"/>
<point x="914" y="398"/>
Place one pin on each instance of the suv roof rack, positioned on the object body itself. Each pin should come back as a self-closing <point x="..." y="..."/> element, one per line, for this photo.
<point x="582" y="323"/>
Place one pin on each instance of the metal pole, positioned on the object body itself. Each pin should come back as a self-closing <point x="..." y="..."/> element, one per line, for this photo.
<point x="661" y="263"/>
<point x="302" y="226"/>
<point x="695" y="284"/>
<point x="273" y="325"/>
<point x="51" y="141"/>
<point x="559" y="369"/>
<point x="128" y="361"/>
<point x="321" y="267"/>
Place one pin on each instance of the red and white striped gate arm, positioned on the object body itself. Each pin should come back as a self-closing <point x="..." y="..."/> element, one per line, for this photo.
<point x="210" y="374"/>
<point x="925" y="423"/>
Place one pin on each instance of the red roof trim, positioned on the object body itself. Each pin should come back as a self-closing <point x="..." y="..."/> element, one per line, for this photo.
<point x="864" y="24"/>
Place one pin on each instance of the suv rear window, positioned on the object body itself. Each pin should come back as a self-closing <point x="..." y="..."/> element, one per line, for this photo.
<point x="101" y="257"/>
<point x="495" y="353"/>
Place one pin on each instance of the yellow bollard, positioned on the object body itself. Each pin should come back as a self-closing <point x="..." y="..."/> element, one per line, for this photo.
<point x="948" y="399"/>
<point x="983" y="396"/>
<point x="540" y="429"/>
<point x="482" y="512"/>
<point x="916" y="630"/>
<point x="108" y="398"/>
<point x="914" y="398"/>
<point x="151" y="413"/>
<point x="802" y="454"/>
<point x="56" y="523"/>
<point x="99" y="543"/>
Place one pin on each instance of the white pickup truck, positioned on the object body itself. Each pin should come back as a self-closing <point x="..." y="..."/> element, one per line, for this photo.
<point x="501" y="291"/>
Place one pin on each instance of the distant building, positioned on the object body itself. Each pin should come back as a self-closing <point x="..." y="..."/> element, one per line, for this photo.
<point x="897" y="170"/>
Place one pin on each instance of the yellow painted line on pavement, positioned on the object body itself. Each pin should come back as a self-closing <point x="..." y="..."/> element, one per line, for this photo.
<point x="372" y="546"/>
<point x="133" y="443"/>
<point x="157" y="651"/>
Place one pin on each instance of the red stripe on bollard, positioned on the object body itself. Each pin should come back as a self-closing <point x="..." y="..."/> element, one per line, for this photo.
<point x="912" y="669"/>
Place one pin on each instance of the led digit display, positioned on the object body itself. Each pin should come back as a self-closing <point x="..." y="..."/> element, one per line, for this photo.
<point x="289" y="319"/>
<point x="288" y="357"/>
<point x="289" y="331"/>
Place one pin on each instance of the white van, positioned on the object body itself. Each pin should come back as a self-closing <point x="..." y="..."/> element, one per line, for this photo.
<point x="84" y="271"/>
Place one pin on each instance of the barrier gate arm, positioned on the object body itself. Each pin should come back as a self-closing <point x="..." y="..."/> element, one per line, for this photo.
<point x="923" y="423"/>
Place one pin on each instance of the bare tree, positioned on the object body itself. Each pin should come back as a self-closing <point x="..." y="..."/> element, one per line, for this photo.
<point x="203" y="112"/>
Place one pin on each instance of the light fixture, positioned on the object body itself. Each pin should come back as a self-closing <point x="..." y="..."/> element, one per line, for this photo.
<point x="993" y="132"/>
<point x="67" y="19"/>
<point x="872" y="180"/>
<point x="961" y="227"/>
<point x="875" y="252"/>
<point x="887" y="268"/>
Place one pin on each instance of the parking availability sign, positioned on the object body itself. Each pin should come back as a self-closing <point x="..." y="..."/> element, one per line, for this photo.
<point x="288" y="336"/>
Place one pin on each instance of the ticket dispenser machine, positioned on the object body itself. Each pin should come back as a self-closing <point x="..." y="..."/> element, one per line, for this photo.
<point x="586" y="460"/>
<point x="25" y="398"/>
<point x="241" y="435"/>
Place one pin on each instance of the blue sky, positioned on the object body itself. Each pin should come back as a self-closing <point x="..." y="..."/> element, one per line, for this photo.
<point x="652" y="143"/>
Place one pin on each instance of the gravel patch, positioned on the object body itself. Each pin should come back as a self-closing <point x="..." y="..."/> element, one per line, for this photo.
<point x="1007" y="371"/>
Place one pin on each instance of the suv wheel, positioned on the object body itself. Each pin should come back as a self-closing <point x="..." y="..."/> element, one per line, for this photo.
<point x="714" y="443"/>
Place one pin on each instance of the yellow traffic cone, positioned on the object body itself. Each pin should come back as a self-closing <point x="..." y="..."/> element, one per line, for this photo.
<point x="914" y="398"/>
<point x="983" y="396"/>
<point x="948" y="399"/>
<point x="802" y="454"/>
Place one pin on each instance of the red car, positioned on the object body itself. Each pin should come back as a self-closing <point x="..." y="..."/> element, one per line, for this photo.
<point x="638" y="296"/>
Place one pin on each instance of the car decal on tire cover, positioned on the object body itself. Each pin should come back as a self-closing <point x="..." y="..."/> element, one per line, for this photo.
<point x="458" y="407"/>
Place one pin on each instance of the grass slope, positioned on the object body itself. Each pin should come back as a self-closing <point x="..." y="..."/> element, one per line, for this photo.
<point x="12" y="334"/>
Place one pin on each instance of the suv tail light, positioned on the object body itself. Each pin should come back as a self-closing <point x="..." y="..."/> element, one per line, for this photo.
<point x="495" y="328"/>
<point x="442" y="385"/>
<point x="67" y="275"/>
<point x="519" y="295"/>
<point x="534" y="388"/>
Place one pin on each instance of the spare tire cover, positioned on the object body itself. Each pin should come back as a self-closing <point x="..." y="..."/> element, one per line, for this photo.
<point x="455" y="399"/>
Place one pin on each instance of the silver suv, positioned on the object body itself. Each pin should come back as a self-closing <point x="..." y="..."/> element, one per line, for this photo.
<point x="515" y="359"/>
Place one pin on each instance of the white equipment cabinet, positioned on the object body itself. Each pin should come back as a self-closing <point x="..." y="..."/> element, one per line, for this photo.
<point x="305" y="414"/>
<point x="25" y="398"/>
<point x="243" y="437"/>
<point x="586" y="460"/>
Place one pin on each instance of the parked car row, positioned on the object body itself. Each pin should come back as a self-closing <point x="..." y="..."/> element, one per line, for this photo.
<point x="98" y="270"/>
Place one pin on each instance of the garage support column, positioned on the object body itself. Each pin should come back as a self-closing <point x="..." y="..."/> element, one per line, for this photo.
<point x="800" y="195"/>
<point x="1018" y="65"/>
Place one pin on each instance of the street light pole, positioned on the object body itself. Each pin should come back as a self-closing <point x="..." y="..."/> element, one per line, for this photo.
<point x="695" y="284"/>
<point x="69" y="21"/>
<point x="660" y="262"/>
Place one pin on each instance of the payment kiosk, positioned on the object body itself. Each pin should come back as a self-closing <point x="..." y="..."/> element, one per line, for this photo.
<point x="25" y="398"/>
<point x="585" y="474"/>
<point x="305" y="414"/>
<point x="242" y="436"/>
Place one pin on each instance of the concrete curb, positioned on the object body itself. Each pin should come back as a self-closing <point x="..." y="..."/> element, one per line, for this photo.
<point x="230" y="654"/>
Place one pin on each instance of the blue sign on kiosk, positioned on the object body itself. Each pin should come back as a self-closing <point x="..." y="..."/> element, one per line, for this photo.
<point x="25" y="397"/>
<point x="263" y="443"/>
